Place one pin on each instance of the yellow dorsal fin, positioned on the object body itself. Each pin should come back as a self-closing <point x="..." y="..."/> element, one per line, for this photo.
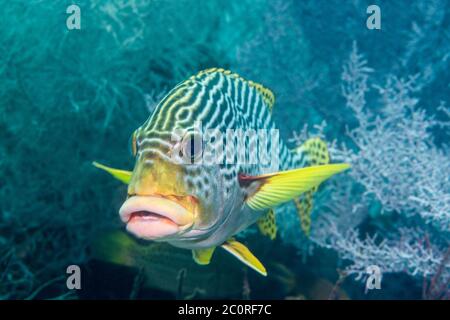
<point x="267" y="224"/>
<point x="316" y="152"/>
<point x="121" y="175"/>
<point x="203" y="256"/>
<point x="280" y="187"/>
<point x="266" y="94"/>
<point x="241" y="252"/>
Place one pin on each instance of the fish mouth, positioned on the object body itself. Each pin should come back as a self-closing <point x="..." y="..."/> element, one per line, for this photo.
<point x="154" y="217"/>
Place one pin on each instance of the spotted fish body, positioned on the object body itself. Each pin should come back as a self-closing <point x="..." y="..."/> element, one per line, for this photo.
<point x="209" y="202"/>
<point x="219" y="100"/>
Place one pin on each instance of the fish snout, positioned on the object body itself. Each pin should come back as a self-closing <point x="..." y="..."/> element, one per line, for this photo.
<point x="155" y="217"/>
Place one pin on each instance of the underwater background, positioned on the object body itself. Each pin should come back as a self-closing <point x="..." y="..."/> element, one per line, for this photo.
<point x="380" y="98"/>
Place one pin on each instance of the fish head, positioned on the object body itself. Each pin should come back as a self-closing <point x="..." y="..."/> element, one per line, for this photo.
<point x="170" y="196"/>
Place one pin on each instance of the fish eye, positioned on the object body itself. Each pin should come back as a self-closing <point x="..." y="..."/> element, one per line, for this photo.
<point x="133" y="144"/>
<point x="191" y="147"/>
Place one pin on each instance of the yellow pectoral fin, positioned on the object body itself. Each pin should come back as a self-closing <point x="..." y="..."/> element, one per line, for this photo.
<point x="203" y="256"/>
<point x="241" y="252"/>
<point x="121" y="175"/>
<point x="280" y="187"/>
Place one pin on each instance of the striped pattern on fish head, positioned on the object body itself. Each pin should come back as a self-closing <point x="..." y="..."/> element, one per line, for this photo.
<point x="170" y="196"/>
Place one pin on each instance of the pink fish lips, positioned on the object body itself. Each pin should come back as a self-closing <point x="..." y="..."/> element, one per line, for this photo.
<point x="151" y="217"/>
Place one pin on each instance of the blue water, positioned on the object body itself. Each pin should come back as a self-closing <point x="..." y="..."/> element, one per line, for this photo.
<point x="72" y="96"/>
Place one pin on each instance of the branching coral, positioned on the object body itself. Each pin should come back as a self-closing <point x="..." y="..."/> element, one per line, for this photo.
<point x="408" y="253"/>
<point x="397" y="164"/>
<point x="69" y="97"/>
<point x="396" y="158"/>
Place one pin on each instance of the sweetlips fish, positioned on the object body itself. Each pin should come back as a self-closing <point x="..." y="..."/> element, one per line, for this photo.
<point x="209" y="163"/>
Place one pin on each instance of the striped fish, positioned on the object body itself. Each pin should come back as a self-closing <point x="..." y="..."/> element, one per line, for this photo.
<point x="210" y="163"/>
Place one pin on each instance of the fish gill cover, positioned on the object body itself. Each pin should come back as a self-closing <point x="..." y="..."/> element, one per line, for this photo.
<point x="379" y="97"/>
